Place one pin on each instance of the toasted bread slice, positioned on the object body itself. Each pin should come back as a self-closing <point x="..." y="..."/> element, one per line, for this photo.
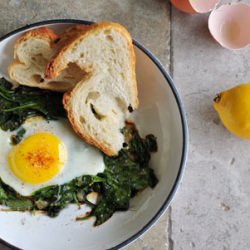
<point x="99" y="104"/>
<point x="32" y="52"/>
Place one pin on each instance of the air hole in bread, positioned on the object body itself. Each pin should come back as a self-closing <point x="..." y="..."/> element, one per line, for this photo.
<point x="74" y="48"/>
<point x="92" y="96"/>
<point x="72" y="73"/>
<point x="130" y="109"/>
<point x="114" y="112"/>
<point x="82" y="55"/>
<point x="123" y="76"/>
<point x="38" y="78"/>
<point x="110" y="38"/>
<point x="82" y="119"/>
<point x="57" y="40"/>
<point x="97" y="114"/>
<point x="73" y="68"/>
<point x="38" y="59"/>
<point x="121" y="104"/>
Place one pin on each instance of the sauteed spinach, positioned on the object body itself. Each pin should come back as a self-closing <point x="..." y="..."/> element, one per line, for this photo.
<point x="18" y="104"/>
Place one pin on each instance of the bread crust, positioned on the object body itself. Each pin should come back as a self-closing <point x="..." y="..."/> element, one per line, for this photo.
<point x="72" y="33"/>
<point x="43" y="32"/>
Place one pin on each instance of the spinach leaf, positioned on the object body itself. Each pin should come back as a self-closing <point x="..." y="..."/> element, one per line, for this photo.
<point x="18" y="104"/>
<point x="53" y="199"/>
<point x="13" y="200"/>
<point x="125" y="175"/>
<point x="15" y="139"/>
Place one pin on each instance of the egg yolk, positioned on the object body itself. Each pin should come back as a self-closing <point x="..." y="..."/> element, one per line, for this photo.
<point x="38" y="158"/>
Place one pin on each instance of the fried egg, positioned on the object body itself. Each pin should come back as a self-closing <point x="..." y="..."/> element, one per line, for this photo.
<point x="50" y="153"/>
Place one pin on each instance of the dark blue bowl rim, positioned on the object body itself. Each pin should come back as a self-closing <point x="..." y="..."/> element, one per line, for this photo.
<point x="169" y="80"/>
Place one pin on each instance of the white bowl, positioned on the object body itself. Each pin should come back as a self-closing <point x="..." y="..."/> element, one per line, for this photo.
<point x="160" y="113"/>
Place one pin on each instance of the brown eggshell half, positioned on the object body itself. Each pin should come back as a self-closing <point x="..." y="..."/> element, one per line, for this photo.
<point x="183" y="5"/>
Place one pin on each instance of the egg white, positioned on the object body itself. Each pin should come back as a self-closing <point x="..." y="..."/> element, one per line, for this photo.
<point x="82" y="159"/>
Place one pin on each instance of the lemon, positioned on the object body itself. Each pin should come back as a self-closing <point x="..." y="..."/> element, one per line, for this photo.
<point x="233" y="107"/>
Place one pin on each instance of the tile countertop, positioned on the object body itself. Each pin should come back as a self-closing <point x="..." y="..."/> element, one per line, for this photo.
<point x="211" y="208"/>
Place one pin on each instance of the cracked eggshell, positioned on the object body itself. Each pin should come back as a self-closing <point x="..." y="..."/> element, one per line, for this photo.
<point x="229" y="25"/>
<point x="195" y="6"/>
<point x="183" y="5"/>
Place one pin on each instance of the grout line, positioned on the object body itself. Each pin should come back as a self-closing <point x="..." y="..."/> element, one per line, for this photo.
<point x="170" y="240"/>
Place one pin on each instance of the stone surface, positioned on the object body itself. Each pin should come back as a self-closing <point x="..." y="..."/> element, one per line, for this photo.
<point x="157" y="238"/>
<point x="211" y="209"/>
